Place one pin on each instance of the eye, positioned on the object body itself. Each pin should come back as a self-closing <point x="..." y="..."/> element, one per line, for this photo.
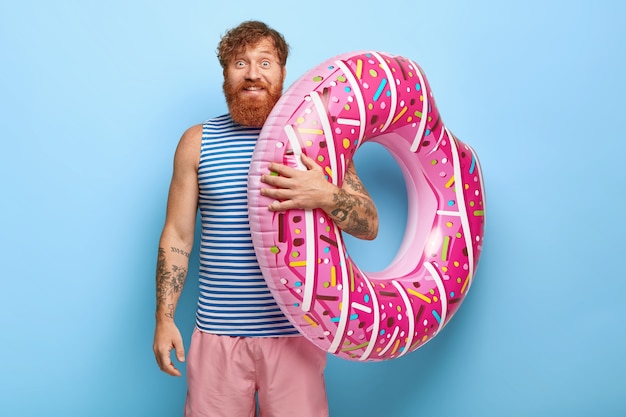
<point x="240" y="64"/>
<point x="266" y="64"/>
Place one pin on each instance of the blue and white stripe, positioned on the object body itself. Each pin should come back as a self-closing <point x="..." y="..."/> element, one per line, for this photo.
<point x="234" y="298"/>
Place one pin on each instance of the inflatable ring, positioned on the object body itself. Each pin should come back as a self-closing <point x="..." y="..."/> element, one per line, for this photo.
<point x="328" y="114"/>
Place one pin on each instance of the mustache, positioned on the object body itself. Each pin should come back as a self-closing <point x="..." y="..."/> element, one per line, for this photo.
<point x="251" y="84"/>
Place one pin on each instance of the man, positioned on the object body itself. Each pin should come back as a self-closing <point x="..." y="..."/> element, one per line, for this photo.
<point x="242" y="344"/>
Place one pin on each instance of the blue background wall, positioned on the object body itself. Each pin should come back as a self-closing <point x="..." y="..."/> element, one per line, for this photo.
<point x="94" y="96"/>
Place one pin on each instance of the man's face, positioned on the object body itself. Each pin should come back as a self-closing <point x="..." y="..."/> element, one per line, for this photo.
<point x="253" y="83"/>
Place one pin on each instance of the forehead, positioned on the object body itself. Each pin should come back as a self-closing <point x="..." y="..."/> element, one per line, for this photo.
<point x="264" y="47"/>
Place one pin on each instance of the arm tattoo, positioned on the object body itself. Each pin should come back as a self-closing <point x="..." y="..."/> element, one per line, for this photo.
<point x="358" y="226"/>
<point x="169" y="281"/>
<point x="346" y="212"/>
<point x="182" y="252"/>
<point x="354" y="207"/>
<point x="357" y="186"/>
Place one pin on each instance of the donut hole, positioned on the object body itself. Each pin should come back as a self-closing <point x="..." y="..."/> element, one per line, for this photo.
<point x="383" y="178"/>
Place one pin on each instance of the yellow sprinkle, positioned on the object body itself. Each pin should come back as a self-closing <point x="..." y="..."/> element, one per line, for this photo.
<point x="346" y="143"/>
<point x="351" y="278"/>
<point x="297" y="263"/>
<point x="312" y="131"/>
<point x="464" y="287"/>
<point x="355" y="347"/>
<point x="310" y="320"/>
<point x="399" y="114"/>
<point x="418" y="295"/>
<point x="395" y="348"/>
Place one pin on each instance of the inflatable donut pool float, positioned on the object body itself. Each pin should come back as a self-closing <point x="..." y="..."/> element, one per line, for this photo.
<point x="328" y="114"/>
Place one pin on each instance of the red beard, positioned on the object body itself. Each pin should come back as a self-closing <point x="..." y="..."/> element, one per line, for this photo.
<point x="250" y="111"/>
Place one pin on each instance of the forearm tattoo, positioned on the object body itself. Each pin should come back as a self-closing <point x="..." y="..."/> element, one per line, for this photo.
<point x="346" y="212"/>
<point x="180" y="251"/>
<point x="169" y="281"/>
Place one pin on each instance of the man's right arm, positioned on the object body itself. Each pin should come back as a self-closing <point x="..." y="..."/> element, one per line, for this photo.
<point x="175" y="246"/>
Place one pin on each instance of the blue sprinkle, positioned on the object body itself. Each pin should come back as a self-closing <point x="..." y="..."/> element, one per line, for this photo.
<point x="451" y="293"/>
<point x="418" y="87"/>
<point x="381" y="87"/>
<point x="451" y="203"/>
<point x="298" y="284"/>
<point x="382" y="332"/>
<point x="437" y="317"/>
<point x="366" y="298"/>
<point x="347" y="89"/>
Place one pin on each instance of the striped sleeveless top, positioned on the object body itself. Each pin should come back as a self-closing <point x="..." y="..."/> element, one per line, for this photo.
<point x="234" y="298"/>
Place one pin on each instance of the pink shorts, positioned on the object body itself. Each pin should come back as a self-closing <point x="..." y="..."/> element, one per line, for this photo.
<point x="224" y="373"/>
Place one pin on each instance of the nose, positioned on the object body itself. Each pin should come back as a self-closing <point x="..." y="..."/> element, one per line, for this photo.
<point x="252" y="73"/>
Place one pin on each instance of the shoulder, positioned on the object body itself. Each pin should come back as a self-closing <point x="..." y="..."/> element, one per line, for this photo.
<point x="191" y="136"/>
<point x="188" y="150"/>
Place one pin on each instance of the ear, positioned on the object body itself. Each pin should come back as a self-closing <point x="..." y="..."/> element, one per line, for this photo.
<point x="284" y="73"/>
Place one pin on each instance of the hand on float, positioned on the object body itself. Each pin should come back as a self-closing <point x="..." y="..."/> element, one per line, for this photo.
<point x="298" y="189"/>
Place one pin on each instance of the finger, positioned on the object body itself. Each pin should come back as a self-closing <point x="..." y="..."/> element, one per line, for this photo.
<point x="282" y="205"/>
<point x="309" y="162"/>
<point x="281" y="169"/>
<point x="165" y="363"/>
<point x="277" y="193"/>
<point x="280" y="182"/>
<point x="170" y="369"/>
<point x="179" y="348"/>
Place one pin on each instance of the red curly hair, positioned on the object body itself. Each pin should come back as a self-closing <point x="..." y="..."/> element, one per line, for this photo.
<point x="249" y="33"/>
